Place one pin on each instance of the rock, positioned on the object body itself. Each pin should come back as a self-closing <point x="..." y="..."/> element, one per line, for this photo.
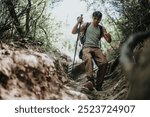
<point x="28" y="74"/>
<point x="135" y="56"/>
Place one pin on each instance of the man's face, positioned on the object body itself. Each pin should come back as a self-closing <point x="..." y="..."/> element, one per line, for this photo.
<point x="96" y="20"/>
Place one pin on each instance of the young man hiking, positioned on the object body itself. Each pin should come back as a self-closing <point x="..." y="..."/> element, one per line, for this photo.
<point x="92" y="51"/>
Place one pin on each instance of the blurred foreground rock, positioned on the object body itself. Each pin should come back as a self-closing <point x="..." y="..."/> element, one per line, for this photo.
<point x="26" y="74"/>
<point x="136" y="61"/>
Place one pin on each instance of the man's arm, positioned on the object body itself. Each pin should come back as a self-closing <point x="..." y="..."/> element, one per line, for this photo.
<point x="75" y="28"/>
<point x="106" y="35"/>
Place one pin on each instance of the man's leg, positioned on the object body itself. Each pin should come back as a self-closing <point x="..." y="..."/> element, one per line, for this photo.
<point x="100" y="75"/>
<point x="101" y="62"/>
<point x="87" y="57"/>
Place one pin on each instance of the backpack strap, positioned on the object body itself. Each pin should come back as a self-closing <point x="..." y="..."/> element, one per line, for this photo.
<point x="101" y="31"/>
<point x="101" y="34"/>
<point x="87" y="25"/>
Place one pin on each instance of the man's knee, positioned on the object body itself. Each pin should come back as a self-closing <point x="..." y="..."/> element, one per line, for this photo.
<point x="87" y="57"/>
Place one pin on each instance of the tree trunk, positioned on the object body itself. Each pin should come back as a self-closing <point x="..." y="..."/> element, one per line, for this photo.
<point x="28" y="17"/>
<point x="13" y="15"/>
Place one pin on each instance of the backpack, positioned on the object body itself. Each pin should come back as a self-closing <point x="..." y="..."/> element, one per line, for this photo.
<point x="83" y="37"/>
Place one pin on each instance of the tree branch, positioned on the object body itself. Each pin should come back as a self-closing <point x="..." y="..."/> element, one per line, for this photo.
<point x="28" y="17"/>
<point x="13" y="15"/>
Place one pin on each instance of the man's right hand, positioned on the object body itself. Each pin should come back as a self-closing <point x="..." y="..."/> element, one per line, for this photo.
<point x="79" y="20"/>
<point x="75" y="28"/>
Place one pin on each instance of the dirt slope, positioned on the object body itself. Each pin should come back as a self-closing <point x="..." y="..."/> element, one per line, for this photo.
<point x="115" y="86"/>
<point x="27" y="74"/>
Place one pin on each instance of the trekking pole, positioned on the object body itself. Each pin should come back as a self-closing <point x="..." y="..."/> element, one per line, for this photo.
<point x="76" y="46"/>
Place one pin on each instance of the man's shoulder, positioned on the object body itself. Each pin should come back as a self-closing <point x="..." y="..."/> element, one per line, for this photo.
<point x="103" y="29"/>
<point x="84" y="24"/>
<point x="87" y="23"/>
<point x="101" y="26"/>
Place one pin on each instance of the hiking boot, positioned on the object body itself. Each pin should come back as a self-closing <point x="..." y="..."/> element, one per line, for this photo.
<point x="98" y="87"/>
<point x="91" y="79"/>
<point x="89" y="85"/>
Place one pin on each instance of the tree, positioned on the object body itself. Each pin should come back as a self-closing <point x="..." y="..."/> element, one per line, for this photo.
<point x="27" y="19"/>
<point x="123" y="17"/>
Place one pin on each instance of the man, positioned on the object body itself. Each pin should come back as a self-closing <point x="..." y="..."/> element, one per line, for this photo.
<point x="92" y="51"/>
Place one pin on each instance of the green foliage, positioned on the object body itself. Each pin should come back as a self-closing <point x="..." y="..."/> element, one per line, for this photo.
<point x="135" y="16"/>
<point x="49" y="32"/>
<point x="123" y="18"/>
<point x="35" y="20"/>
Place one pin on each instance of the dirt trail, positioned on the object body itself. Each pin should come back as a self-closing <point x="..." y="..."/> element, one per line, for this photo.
<point x="114" y="87"/>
